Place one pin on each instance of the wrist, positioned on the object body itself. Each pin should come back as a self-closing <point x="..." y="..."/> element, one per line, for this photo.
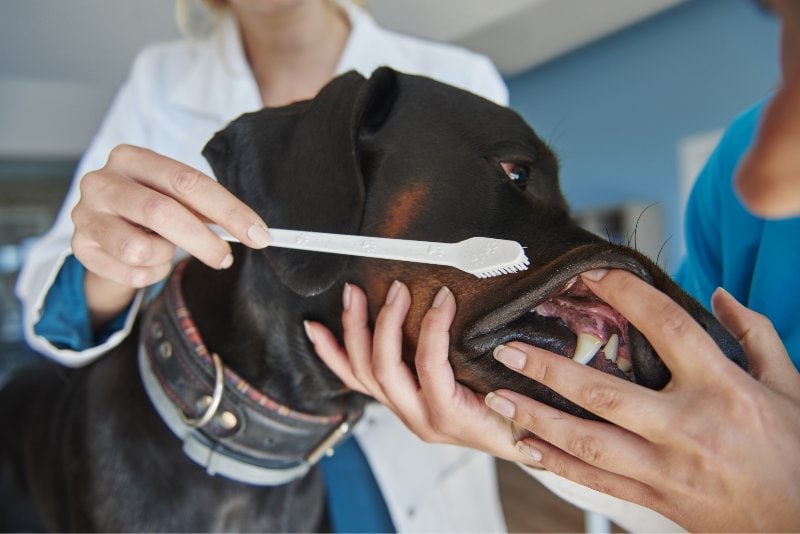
<point x="105" y="299"/>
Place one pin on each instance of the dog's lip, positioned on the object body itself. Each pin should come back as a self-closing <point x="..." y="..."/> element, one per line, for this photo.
<point x="547" y="283"/>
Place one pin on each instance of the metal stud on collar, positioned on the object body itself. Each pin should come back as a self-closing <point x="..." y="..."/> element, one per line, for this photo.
<point x="216" y="398"/>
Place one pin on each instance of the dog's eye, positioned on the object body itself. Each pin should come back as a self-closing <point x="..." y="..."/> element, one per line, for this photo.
<point x="518" y="174"/>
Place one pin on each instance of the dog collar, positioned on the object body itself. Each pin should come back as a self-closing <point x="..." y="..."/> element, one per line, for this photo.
<point x="226" y="425"/>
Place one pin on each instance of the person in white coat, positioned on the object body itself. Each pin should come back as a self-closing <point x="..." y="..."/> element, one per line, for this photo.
<point x="142" y="190"/>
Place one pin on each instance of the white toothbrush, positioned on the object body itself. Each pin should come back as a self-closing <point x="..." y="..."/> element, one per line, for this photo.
<point x="483" y="257"/>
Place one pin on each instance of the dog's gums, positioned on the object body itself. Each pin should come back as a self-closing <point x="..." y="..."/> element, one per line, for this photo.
<point x="601" y="334"/>
<point x="559" y="313"/>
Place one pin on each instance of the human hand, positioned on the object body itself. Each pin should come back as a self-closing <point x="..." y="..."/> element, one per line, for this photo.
<point x="437" y="408"/>
<point x="136" y="210"/>
<point x="716" y="449"/>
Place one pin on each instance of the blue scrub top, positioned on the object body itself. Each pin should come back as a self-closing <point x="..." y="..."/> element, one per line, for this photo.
<point x="756" y="260"/>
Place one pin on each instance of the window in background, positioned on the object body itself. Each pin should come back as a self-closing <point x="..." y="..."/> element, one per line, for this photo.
<point x="31" y="193"/>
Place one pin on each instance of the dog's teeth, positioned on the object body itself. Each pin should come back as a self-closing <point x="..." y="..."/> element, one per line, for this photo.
<point x="624" y="365"/>
<point x="612" y="348"/>
<point x="587" y="346"/>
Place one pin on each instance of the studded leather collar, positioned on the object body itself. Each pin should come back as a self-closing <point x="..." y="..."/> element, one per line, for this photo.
<point x="226" y="425"/>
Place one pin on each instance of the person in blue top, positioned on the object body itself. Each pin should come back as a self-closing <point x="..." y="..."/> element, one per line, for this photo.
<point x="755" y="259"/>
<point x="716" y="449"/>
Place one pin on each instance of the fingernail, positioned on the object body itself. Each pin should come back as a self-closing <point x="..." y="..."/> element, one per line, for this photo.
<point x="441" y="296"/>
<point x="227" y="261"/>
<point x="529" y="450"/>
<point x="595" y="275"/>
<point x="346" y="296"/>
<point x="511" y="358"/>
<point x="307" y="328"/>
<point x="501" y="405"/>
<point x="392" y="294"/>
<point x="722" y="291"/>
<point x="259" y="235"/>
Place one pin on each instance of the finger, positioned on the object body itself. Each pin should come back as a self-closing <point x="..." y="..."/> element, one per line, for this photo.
<point x="765" y="351"/>
<point x="171" y="220"/>
<point x="422" y="402"/>
<point x="192" y="188"/>
<point x="433" y="365"/>
<point x="671" y="331"/>
<point x="98" y="261"/>
<point x="357" y="334"/>
<point x="568" y="466"/>
<point x="599" y="444"/>
<point x="124" y="241"/>
<point x="455" y="413"/>
<point x="386" y="365"/>
<point x="333" y="355"/>
<point x="614" y="399"/>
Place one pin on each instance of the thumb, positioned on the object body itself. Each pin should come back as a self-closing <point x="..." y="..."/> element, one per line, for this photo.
<point x="767" y="356"/>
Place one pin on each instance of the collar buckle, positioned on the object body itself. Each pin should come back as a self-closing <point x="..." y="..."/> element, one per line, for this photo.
<point x="327" y="445"/>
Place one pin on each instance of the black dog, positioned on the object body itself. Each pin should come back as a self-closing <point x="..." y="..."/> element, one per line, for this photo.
<point x="396" y="156"/>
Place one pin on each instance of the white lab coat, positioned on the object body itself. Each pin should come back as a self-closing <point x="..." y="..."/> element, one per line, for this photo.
<point x="176" y="97"/>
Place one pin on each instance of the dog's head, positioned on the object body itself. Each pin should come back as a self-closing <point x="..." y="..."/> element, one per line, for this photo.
<point x="403" y="156"/>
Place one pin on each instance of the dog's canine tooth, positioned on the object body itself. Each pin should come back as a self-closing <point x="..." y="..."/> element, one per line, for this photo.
<point x="587" y="346"/>
<point x="612" y="348"/>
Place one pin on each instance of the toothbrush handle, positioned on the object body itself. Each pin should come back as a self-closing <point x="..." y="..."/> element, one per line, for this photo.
<point x="370" y="247"/>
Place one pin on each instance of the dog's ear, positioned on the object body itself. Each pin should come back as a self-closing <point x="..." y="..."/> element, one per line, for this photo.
<point x="298" y="167"/>
<point x="375" y="101"/>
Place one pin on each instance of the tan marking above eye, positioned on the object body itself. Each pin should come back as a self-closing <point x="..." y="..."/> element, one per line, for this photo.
<point x="403" y="210"/>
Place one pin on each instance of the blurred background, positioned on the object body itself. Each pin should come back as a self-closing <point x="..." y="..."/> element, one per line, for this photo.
<point x="632" y="94"/>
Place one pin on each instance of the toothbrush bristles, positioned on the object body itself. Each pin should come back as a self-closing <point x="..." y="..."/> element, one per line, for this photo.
<point x="503" y="269"/>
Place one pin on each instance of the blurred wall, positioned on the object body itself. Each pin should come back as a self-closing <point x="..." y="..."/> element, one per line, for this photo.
<point x="616" y="109"/>
<point x="61" y="63"/>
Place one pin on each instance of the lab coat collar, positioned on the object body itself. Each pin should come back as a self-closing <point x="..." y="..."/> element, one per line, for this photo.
<point x="366" y="37"/>
<point x="220" y="84"/>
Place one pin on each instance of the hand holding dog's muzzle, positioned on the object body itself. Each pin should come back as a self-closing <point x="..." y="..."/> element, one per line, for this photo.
<point x="433" y="405"/>
<point x="700" y="451"/>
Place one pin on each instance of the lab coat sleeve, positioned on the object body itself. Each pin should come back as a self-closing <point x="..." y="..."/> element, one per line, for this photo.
<point x="429" y="487"/>
<point x="125" y="122"/>
<point x="628" y="515"/>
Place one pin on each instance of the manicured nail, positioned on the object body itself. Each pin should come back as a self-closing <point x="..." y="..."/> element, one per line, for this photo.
<point x="392" y="294"/>
<point x="529" y="450"/>
<point x="501" y="405"/>
<point x="307" y="328"/>
<point x="441" y="296"/>
<point x="511" y="358"/>
<point x="259" y="235"/>
<point x="595" y="275"/>
<point x="346" y="296"/>
<point x="227" y="261"/>
<point x="722" y="291"/>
